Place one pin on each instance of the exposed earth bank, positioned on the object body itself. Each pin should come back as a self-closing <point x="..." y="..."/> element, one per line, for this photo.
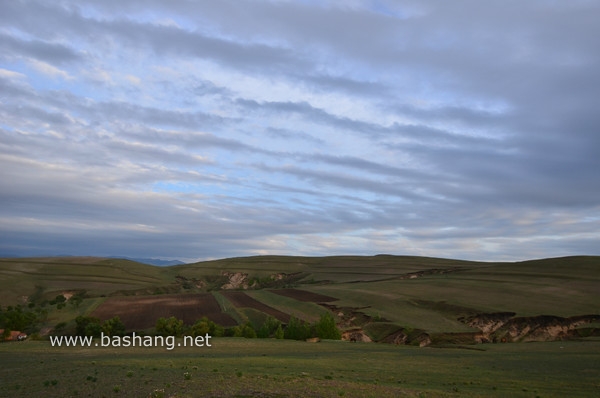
<point x="504" y="327"/>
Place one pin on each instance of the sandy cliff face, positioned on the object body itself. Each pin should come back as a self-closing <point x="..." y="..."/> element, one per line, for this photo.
<point x="237" y="280"/>
<point x="488" y="323"/>
<point x="504" y="327"/>
<point x="356" y="335"/>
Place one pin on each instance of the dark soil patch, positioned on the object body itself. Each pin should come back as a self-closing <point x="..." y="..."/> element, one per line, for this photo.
<point x="242" y="300"/>
<point x="303" y="295"/>
<point x="142" y="312"/>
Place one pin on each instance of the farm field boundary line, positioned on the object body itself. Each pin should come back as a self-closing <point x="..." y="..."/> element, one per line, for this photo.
<point x="241" y="299"/>
<point x="304" y="295"/>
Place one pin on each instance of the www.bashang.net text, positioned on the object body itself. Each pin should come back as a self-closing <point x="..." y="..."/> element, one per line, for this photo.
<point x="133" y="340"/>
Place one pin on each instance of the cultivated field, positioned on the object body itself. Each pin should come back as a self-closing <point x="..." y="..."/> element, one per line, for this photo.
<point x="142" y="312"/>
<point x="242" y="300"/>
<point x="303" y="295"/>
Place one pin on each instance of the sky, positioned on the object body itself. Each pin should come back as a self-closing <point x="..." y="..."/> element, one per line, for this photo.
<point x="197" y="130"/>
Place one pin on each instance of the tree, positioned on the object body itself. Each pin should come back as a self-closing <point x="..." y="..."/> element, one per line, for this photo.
<point x="246" y="330"/>
<point x="200" y="328"/>
<point x="87" y="326"/>
<point x="93" y="329"/>
<point x="326" y="328"/>
<point x="169" y="327"/>
<point x="18" y="318"/>
<point x="77" y="298"/>
<point x="297" y="330"/>
<point x="113" y="327"/>
<point x="204" y="326"/>
<point x="268" y="328"/>
<point x="279" y="332"/>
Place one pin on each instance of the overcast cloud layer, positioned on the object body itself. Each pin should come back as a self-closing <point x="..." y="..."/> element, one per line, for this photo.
<point x="210" y="129"/>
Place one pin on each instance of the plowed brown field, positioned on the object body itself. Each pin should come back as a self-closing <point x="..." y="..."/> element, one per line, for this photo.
<point x="303" y="295"/>
<point x="142" y="312"/>
<point x="242" y="300"/>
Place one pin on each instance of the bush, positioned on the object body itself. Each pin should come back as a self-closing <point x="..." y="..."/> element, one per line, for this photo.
<point x="245" y="330"/>
<point x="60" y="326"/>
<point x="169" y="327"/>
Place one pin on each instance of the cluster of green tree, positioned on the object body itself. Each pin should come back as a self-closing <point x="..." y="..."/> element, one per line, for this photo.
<point x="175" y="327"/>
<point x="91" y="326"/>
<point x="289" y="280"/>
<point x="61" y="301"/>
<point x="296" y="329"/>
<point x="22" y="318"/>
<point x="38" y="298"/>
<point x="324" y="328"/>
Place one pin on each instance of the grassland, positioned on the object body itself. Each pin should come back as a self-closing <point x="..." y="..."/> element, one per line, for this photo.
<point x="235" y="367"/>
<point x="381" y="295"/>
<point x="46" y="277"/>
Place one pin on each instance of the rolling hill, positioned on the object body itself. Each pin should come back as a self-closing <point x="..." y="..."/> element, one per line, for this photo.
<point x="403" y="299"/>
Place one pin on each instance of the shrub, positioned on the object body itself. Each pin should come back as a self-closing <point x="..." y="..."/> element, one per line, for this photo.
<point x="60" y="326"/>
<point x="245" y="330"/>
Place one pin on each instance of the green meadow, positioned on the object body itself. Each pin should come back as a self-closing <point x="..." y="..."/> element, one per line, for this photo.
<point x="237" y="367"/>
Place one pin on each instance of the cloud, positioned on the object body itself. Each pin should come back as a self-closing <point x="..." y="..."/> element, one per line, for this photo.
<point x="11" y="75"/>
<point x="49" y="70"/>
<point x="52" y="53"/>
<point x="214" y="129"/>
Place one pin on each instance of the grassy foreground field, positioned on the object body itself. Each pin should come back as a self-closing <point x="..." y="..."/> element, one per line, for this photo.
<point x="237" y="367"/>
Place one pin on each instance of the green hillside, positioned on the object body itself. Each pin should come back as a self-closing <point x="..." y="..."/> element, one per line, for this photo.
<point x="380" y="294"/>
<point x="22" y="278"/>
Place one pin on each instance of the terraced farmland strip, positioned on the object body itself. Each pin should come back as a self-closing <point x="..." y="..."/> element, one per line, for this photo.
<point x="303" y="295"/>
<point x="242" y="300"/>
